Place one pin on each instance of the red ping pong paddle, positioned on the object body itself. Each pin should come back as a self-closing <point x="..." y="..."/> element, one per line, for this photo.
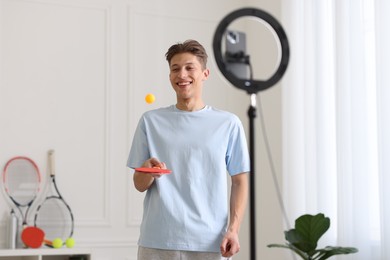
<point x="34" y="237"/>
<point x="153" y="170"/>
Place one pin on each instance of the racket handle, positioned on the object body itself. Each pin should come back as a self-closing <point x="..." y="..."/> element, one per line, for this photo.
<point x="51" y="162"/>
<point x="12" y="230"/>
<point x="48" y="243"/>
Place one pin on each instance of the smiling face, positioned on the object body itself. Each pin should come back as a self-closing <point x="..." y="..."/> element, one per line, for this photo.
<point x="187" y="76"/>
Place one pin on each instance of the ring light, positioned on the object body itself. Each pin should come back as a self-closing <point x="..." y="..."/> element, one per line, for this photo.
<point x="251" y="85"/>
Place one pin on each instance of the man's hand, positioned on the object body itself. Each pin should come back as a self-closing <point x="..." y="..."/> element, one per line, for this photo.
<point x="230" y="244"/>
<point x="142" y="181"/>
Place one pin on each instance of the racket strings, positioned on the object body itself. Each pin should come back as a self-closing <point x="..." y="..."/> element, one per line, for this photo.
<point x="55" y="218"/>
<point x="22" y="181"/>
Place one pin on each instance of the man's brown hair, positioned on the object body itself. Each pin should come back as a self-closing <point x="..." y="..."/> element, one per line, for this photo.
<point x="190" y="46"/>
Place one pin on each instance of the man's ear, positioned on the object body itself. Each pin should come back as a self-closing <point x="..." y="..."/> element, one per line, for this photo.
<point x="206" y="74"/>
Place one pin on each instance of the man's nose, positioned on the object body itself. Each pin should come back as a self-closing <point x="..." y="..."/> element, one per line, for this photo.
<point x="182" y="73"/>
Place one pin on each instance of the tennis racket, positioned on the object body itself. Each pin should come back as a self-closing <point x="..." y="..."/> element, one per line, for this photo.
<point x="54" y="216"/>
<point x="22" y="183"/>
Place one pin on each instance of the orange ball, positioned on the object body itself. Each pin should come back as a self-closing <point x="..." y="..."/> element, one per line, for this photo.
<point x="149" y="98"/>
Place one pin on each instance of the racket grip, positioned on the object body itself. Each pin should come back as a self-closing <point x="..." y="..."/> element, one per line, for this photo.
<point x="51" y="162"/>
<point x="12" y="230"/>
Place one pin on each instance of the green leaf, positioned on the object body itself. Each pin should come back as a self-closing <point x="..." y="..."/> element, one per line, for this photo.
<point x="278" y="245"/>
<point x="298" y="241"/>
<point x="329" y="251"/>
<point x="302" y="254"/>
<point x="308" y="230"/>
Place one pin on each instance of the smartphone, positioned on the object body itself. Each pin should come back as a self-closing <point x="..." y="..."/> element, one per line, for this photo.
<point x="235" y="52"/>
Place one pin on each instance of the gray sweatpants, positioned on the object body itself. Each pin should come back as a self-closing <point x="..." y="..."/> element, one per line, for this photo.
<point x="145" y="253"/>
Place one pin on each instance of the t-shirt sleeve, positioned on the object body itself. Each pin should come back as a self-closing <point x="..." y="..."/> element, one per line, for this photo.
<point x="237" y="155"/>
<point x="139" y="151"/>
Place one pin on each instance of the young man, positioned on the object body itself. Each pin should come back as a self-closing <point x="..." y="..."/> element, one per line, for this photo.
<point x="186" y="213"/>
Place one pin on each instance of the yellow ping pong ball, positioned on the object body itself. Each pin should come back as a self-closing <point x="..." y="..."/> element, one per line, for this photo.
<point x="149" y="98"/>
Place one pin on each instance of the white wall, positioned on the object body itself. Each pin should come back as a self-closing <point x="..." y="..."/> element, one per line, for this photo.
<point x="73" y="75"/>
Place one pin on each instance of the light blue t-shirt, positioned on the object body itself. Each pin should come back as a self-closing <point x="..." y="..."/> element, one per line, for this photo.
<point x="188" y="209"/>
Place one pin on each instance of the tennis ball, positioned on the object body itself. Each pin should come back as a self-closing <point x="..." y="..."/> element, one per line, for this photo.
<point x="149" y="98"/>
<point x="70" y="242"/>
<point x="57" y="243"/>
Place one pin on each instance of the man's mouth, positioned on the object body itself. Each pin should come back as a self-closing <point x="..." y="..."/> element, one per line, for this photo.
<point x="184" y="84"/>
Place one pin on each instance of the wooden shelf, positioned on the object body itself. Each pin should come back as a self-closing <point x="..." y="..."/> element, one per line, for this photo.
<point x="45" y="254"/>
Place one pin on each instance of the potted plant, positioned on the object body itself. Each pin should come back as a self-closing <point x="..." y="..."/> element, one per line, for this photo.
<point x="304" y="237"/>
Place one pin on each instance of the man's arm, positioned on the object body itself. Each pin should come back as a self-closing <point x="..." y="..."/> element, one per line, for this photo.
<point x="238" y="200"/>
<point x="143" y="181"/>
